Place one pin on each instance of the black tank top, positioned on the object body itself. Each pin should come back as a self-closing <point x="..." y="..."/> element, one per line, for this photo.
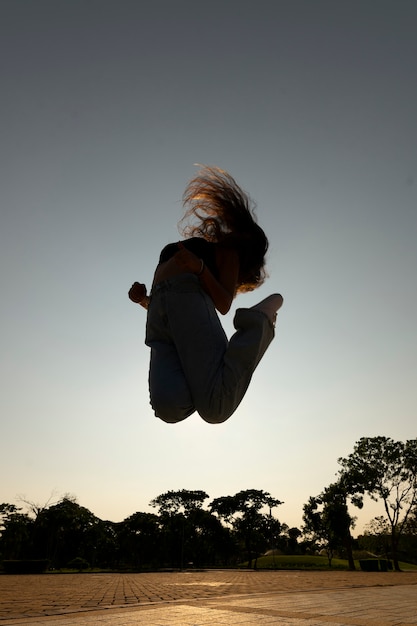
<point x="205" y="250"/>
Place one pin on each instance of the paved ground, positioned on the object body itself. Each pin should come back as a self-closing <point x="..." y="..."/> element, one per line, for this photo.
<point x="242" y="598"/>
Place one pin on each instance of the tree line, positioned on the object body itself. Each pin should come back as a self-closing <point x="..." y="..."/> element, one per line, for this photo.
<point x="182" y="532"/>
<point x="229" y="530"/>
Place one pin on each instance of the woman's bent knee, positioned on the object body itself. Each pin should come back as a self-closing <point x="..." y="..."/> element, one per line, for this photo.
<point x="171" y="414"/>
<point x="171" y="420"/>
<point x="214" y="417"/>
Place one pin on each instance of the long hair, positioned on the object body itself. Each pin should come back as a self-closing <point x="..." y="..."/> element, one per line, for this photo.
<point x="218" y="210"/>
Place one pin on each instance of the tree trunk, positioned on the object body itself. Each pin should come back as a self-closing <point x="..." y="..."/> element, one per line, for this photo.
<point x="329" y="555"/>
<point x="394" y="549"/>
<point x="348" y="548"/>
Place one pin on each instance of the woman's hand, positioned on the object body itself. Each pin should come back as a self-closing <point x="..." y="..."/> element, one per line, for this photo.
<point x="137" y="293"/>
<point x="187" y="261"/>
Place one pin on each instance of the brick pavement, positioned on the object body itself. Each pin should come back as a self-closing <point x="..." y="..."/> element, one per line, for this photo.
<point x="211" y="597"/>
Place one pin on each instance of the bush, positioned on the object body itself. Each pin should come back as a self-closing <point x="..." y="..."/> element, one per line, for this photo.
<point x="78" y="563"/>
<point x="375" y="565"/>
<point x="25" y="566"/>
<point x="304" y="562"/>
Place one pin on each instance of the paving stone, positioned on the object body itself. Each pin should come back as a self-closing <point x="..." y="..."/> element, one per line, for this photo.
<point x="242" y="598"/>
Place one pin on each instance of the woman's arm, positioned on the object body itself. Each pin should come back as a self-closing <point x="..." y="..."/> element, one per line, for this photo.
<point x="222" y="290"/>
<point x="137" y="293"/>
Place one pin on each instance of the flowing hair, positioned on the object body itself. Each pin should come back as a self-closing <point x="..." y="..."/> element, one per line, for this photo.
<point x="218" y="210"/>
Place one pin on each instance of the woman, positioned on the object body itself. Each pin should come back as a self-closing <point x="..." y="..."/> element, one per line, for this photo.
<point x="193" y="366"/>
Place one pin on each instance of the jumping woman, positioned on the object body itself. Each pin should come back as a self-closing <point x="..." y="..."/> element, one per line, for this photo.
<point x="193" y="366"/>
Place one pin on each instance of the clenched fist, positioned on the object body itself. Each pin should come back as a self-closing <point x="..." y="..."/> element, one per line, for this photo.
<point x="137" y="293"/>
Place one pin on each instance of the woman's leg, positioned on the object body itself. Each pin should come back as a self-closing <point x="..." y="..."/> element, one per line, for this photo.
<point x="254" y="333"/>
<point x="169" y="393"/>
<point x="218" y="372"/>
<point x="170" y="396"/>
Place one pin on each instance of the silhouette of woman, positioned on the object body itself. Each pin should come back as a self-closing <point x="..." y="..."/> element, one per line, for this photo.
<point x="193" y="366"/>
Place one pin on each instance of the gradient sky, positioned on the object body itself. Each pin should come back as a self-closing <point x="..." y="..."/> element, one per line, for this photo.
<point x="105" y="107"/>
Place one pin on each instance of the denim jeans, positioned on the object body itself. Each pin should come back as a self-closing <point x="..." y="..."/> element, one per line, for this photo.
<point x="193" y="366"/>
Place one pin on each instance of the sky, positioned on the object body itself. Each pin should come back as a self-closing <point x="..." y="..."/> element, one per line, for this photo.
<point x="106" y="106"/>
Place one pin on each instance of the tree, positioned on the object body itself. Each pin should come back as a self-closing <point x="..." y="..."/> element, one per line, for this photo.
<point x="6" y="513"/>
<point x="15" y="532"/>
<point x="411" y="526"/>
<point x="35" y="508"/>
<point x="139" y="539"/>
<point x="243" y="502"/>
<point x="376" y="537"/>
<point x="207" y="541"/>
<point x="183" y="531"/>
<point x="315" y="527"/>
<point x="176" y="511"/>
<point x="241" y="511"/>
<point x="409" y="538"/>
<point x="327" y="521"/>
<point x="293" y="534"/>
<point x="65" y="531"/>
<point x="387" y="470"/>
<point x="338" y="518"/>
<point x="184" y="501"/>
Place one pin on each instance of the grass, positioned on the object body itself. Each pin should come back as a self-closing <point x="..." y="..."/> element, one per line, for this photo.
<point x="300" y="562"/>
<point x="310" y="563"/>
<point x="273" y="562"/>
